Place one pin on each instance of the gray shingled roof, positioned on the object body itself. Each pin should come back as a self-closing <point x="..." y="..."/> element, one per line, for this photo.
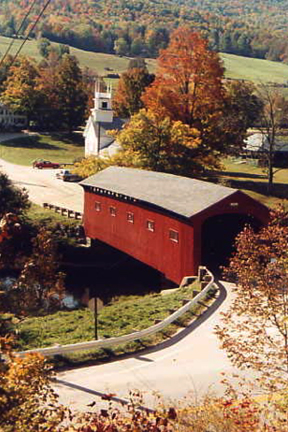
<point x="105" y="139"/>
<point x="181" y="195"/>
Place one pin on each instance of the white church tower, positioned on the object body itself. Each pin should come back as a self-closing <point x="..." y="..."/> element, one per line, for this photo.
<point x="101" y="116"/>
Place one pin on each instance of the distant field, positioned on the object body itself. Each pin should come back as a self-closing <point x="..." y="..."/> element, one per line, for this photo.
<point x="236" y="67"/>
<point x="254" y="69"/>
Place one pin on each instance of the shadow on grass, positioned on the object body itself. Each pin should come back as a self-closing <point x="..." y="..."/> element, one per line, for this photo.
<point x="237" y="174"/>
<point x="32" y="142"/>
<point x="75" y="139"/>
<point x="225" y="178"/>
<point x="27" y="337"/>
<point x="279" y="190"/>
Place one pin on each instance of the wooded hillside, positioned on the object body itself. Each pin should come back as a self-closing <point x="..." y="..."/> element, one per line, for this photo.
<point x="141" y="27"/>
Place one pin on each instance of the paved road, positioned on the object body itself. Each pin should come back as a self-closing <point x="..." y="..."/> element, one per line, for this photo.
<point x="189" y="361"/>
<point x="43" y="186"/>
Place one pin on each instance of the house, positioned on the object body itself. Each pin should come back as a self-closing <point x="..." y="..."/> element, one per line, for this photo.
<point x="168" y="222"/>
<point x="10" y="119"/>
<point x="257" y="145"/>
<point x="101" y="121"/>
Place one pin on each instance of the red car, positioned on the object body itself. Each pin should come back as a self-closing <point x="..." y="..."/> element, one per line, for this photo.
<point x="45" y="164"/>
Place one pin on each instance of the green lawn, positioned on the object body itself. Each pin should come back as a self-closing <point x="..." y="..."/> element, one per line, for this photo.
<point x="251" y="179"/>
<point x="57" y="148"/>
<point x="122" y="316"/>
<point x="236" y="66"/>
<point x="38" y="214"/>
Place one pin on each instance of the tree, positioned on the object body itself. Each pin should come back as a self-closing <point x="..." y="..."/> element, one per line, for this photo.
<point x="121" y="46"/>
<point x="241" y="110"/>
<point x="13" y="230"/>
<point x="90" y="165"/>
<point x="243" y="103"/>
<point x="40" y="286"/>
<point x="12" y="199"/>
<point x="44" y="47"/>
<point x="274" y="112"/>
<point x="69" y="90"/>
<point x="27" y="400"/>
<point x="137" y="63"/>
<point x="127" y="100"/>
<point x="188" y="87"/>
<point x="255" y="329"/>
<point x="28" y="403"/>
<point x="161" y="144"/>
<point x="19" y="91"/>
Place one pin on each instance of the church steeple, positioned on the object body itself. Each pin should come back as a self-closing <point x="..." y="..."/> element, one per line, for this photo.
<point x="102" y="111"/>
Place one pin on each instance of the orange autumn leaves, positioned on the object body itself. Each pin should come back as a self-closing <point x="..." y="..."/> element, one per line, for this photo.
<point x="188" y="95"/>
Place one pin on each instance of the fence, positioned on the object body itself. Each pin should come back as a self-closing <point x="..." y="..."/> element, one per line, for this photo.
<point x="64" y="211"/>
<point x="106" y="343"/>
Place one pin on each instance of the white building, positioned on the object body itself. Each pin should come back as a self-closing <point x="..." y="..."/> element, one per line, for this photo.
<point x="258" y="143"/>
<point x="10" y="119"/>
<point x="101" y="120"/>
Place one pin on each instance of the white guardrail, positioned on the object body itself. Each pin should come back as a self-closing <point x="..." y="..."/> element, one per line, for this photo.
<point x="105" y="343"/>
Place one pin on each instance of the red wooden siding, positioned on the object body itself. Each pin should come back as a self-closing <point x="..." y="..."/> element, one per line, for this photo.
<point x="155" y="248"/>
<point x="246" y="205"/>
<point x="146" y="234"/>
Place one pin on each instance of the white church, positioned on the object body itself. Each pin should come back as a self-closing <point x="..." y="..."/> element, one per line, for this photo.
<point x="97" y="141"/>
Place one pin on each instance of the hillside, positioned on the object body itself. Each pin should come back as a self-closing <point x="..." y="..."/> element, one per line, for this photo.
<point x="141" y="27"/>
<point x="236" y="66"/>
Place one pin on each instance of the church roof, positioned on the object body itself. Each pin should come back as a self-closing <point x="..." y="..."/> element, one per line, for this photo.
<point x="105" y="139"/>
<point x="181" y="195"/>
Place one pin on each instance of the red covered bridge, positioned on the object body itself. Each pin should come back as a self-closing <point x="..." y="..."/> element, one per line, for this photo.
<point x="170" y="223"/>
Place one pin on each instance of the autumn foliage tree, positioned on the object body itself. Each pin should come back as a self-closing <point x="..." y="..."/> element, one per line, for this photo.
<point x="189" y="88"/>
<point x="254" y="331"/>
<point x="127" y="100"/>
<point x="27" y="400"/>
<point x="40" y="285"/>
<point x="28" y="403"/>
<point x="161" y="144"/>
<point x="19" y="87"/>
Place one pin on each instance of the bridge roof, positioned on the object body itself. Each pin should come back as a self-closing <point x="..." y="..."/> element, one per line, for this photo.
<point x="181" y="195"/>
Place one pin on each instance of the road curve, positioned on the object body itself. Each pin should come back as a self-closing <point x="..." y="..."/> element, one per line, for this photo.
<point x="42" y="186"/>
<point x="189" y="361"/>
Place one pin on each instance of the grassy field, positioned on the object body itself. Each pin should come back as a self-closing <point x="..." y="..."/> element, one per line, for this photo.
<point x="254" y="69"/>
<point x="248" y="177"/>
<point x="57" y="147"/>
<point x="236" y="66"/>
<point x="122" y="316"/>
<point x="48" y="217"/>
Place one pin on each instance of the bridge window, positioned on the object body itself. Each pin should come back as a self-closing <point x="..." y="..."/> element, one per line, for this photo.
<point x="150" y="225"/>
<point x="174" y="235"/>
<point x="130" y="217"/>
<point x="112" y="211"/>
<point x="98" y="206"/>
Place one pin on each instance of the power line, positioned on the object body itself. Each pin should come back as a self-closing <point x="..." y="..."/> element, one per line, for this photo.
<point x="31" y="30"/>
<point x="17" y="33"/>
